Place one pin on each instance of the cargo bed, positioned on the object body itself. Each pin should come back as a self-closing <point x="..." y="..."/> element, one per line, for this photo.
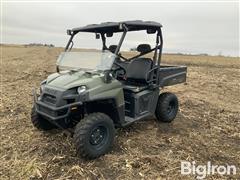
<point x="171" y="75"/>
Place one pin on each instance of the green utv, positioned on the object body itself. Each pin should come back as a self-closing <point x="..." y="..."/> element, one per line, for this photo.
<point x="93" y="92"/>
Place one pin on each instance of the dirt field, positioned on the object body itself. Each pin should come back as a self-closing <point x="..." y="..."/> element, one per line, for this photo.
<point x="207" y="127"/>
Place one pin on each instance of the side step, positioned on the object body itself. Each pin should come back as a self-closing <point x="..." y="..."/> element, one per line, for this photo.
<point x="129" y="120"/>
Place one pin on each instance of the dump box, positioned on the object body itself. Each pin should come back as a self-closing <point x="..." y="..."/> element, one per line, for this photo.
<point x="171" y="75"/>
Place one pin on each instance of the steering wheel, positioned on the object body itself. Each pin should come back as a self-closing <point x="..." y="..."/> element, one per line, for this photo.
<point x="116" y="71"/>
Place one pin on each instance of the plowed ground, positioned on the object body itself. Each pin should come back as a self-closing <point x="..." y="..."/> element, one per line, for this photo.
<point x="207" y="127"/>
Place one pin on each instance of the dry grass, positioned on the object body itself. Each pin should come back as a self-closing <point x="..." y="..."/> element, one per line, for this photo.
<point x="206" y="128"/>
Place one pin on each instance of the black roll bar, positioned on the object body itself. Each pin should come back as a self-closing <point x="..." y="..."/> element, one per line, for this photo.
<point x="158" y="48"/>
<point x="159" y="55"/>
<point x="161" y="46"/>
<point x="125" y="29"/>
<point x="69" y="41"/>
<point x="103" y="41"/>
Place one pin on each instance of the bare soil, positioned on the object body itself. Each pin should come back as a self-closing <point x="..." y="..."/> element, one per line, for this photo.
<point x="207" y="127"/>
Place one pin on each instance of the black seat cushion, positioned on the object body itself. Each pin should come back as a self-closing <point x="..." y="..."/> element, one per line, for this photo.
<point x="134" y="89"/>
<point x="137" y="71"/>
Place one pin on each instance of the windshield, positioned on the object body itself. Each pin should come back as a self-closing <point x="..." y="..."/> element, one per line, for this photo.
<point x="86" y="60"/>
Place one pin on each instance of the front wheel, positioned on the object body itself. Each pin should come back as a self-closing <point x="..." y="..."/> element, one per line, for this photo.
<point x="94" y="135"/>
<point x="39" y="122"/>
<point x="167" y="107"/>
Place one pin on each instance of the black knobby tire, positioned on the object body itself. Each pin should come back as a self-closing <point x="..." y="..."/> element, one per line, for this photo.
<point x="94" y="135"/>
<point x="167" y="107"/>
<point x="39" y="122"/>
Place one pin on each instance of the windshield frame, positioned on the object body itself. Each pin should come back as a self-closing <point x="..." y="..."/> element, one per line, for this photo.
<point x="124" y="29"/>
<point x="157" y="49"/>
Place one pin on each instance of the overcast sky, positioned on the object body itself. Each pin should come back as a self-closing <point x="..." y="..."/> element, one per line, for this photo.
<point x="187" y="27"/>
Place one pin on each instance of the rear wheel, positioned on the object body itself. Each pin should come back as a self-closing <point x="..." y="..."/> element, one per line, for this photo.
<point x="39" y="122"/>
<point x="94" y="135"/>
<point x="167" y="107"/>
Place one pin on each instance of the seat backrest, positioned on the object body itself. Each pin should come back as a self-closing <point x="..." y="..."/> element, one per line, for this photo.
<point x="143" y="48"/>
<point x="112" y="48"/>
<point x="138" y="69"/>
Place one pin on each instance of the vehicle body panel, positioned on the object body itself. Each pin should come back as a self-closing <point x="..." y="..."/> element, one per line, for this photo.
<point x="96" y="87"/>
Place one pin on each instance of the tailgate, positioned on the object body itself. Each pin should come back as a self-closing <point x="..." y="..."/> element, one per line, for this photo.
<point x="170" y="75"/>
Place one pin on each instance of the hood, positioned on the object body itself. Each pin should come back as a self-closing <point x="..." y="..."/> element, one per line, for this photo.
<point x="71" y="79"/>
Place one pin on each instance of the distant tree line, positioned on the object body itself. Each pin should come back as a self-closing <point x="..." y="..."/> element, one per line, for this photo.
<point x="40" y="44"/>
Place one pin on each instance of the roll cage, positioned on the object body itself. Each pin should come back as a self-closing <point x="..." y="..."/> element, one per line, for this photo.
<point x="107" y="29"/>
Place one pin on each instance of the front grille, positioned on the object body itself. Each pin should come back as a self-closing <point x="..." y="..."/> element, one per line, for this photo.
<point x="62" y="112"/>
<point x="70" y="101"/>
<point x="49" y="98"/>
<point x="52" y="112"/>
<point x="46" y="110"/>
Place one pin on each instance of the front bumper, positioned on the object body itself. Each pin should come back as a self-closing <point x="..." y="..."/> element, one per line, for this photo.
<point x="51" y="112"/>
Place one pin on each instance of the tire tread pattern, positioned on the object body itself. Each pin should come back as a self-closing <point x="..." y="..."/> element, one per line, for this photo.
<point x="81" y="134"/>
<point x="161" y="109"/>
<point x="39" y="122"/>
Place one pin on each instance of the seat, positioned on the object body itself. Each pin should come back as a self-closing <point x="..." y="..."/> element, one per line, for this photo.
<point x="137" y="71"/>
<point x="134" y="89"/>
<point x="112" y="48"/>
<point x="143" y="48"/>
<point x="138" y="68"/>
<point x="137" y="75"/>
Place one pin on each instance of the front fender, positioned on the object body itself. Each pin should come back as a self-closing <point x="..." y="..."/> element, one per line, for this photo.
<point x="116" y="94"/>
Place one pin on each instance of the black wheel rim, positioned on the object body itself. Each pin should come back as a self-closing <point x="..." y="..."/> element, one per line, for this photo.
<point x="98" y="136"/>
<point x="171" y="107"/>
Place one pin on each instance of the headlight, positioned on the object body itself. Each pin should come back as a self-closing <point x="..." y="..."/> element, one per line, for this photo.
<point x="43" y="83"/>
<point x="41" y="89"/>
<point x="81" y="89"/>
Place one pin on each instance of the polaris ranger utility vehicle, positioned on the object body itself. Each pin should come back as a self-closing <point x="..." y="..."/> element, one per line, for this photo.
<point x="93" y="92"/>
